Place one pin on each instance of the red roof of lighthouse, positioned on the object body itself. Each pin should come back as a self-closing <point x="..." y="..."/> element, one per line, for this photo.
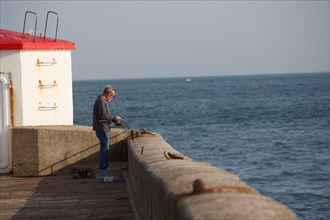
<point x="12" y="40"/>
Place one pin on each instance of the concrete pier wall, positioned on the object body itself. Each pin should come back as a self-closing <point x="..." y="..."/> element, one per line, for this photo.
<point x="160" y="187"/>
<point x="43" y="150"/>
<point x="163" y="188"/>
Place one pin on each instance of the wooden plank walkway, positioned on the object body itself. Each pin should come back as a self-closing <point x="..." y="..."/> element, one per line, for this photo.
<point x="62" y="197"/>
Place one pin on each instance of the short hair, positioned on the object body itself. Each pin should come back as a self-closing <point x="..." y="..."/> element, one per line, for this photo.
<point x="108" y="89"/>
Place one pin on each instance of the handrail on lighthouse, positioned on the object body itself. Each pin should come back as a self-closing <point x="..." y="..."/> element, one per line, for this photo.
<point x="47" y="23"/>
<point x="35" y="23"/>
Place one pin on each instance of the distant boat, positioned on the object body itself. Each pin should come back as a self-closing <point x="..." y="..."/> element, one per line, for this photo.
<point x="188" y="80"/>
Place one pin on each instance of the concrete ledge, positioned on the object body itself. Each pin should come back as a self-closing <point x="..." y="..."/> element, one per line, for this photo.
<point x="163" y="187"/>
<point x="43" y="150"/>
<point x="233" y="206"/>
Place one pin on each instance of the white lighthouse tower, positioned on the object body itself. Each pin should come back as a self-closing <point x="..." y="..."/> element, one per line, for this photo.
<point x="35" y="84"/>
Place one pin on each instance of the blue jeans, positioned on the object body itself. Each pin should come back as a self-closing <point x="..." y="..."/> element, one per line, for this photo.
<point x="104" y="137"/>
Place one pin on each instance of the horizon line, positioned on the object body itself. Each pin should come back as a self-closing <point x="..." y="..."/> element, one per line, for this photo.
<point x="199" y="76"/>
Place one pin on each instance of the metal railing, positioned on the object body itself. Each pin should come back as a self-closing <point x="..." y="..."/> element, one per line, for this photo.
<point x="47" y="23"/>
<point x="47" y="108"/>
<point x="35" y="24"/>
<point x="46" y="63"/>
<point x="47" y="86"/>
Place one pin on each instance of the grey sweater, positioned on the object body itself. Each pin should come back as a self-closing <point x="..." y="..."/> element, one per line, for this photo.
<point x="101" y="112"/>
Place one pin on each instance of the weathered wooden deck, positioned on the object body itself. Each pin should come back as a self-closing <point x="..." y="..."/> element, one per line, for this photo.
<point x="62" y="197"/>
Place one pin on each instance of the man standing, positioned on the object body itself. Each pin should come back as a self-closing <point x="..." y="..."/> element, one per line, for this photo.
<point x="101" y="123"/>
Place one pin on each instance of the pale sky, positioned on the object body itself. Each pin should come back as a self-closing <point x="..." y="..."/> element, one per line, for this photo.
<point x="137" y="39"/>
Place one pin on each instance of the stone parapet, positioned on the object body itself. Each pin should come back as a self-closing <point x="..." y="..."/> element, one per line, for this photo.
<point x="163" y="187"/>
<point x="43" y="150"/>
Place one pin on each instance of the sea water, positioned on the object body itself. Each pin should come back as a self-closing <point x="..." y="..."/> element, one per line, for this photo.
<point x="273" y="131"/>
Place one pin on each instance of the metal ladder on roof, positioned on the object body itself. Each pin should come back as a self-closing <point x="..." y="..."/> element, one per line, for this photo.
<point x="36" y="21"/>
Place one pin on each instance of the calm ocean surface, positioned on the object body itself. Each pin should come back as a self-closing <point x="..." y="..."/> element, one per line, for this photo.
<point x="273" y="131"/>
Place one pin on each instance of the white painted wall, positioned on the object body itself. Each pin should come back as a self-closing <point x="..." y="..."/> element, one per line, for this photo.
<point x="38" y="102"/>
<point x="10" y="62"/>
<point x="29" y="97"/>
<point x="34" y="104"/>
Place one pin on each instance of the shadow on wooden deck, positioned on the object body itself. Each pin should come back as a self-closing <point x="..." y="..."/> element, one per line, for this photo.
<point x="65" y="195"/>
